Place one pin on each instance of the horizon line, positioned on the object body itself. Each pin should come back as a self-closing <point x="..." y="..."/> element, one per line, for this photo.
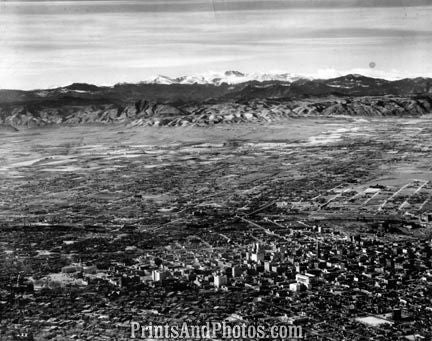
<point x="150" y="80"/>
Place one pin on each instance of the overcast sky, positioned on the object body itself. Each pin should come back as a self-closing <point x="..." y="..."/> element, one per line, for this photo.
<point x="52" y="43"/>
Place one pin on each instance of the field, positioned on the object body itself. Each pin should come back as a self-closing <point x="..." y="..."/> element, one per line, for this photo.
<point x="114" y="175"/>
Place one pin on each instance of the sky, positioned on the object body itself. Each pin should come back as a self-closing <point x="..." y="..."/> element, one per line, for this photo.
<point x="46" y="44"/>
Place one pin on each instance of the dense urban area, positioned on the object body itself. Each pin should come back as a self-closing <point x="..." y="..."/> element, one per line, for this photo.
<point x="320" y="223"/>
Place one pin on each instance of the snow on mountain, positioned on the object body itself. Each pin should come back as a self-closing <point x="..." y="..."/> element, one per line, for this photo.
<point x="229" y="77"/>
<point x="163" y="80"/>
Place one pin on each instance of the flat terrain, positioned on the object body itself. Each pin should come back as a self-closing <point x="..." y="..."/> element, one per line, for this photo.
<point x="115" y="197"/>
<point x="64" y="175"/>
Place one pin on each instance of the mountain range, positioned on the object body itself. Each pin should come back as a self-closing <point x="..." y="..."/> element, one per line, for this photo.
<point x="199" y="99"/>
<point x="228" y="77"/>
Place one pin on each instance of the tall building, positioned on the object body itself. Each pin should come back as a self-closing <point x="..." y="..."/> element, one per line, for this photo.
<point x="257" y="254"/>
<point x="158" y="276"/>
<point x="236" y="271"/>
<point x="220" y="280"/>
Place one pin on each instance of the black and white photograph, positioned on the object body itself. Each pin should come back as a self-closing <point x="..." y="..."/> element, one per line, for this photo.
<point x="215" y="170"/>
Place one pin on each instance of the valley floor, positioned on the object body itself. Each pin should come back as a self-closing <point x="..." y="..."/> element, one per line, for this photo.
<point x="345" y="200"/>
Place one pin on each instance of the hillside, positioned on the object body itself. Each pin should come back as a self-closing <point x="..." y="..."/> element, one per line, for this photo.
<point x="201" y="104"/>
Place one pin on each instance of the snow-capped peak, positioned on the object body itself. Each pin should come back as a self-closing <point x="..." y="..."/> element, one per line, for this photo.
<point x="229" y="77"/>
<point x="160" y="79"/>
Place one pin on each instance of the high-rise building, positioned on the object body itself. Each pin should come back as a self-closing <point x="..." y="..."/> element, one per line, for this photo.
<point x="158" y="275"/>
<point x="236" y="271"/>
<point x="220" y="280"/>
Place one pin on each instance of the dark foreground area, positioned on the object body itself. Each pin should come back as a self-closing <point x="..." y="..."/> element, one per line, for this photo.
<point x="323" y="223"/>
